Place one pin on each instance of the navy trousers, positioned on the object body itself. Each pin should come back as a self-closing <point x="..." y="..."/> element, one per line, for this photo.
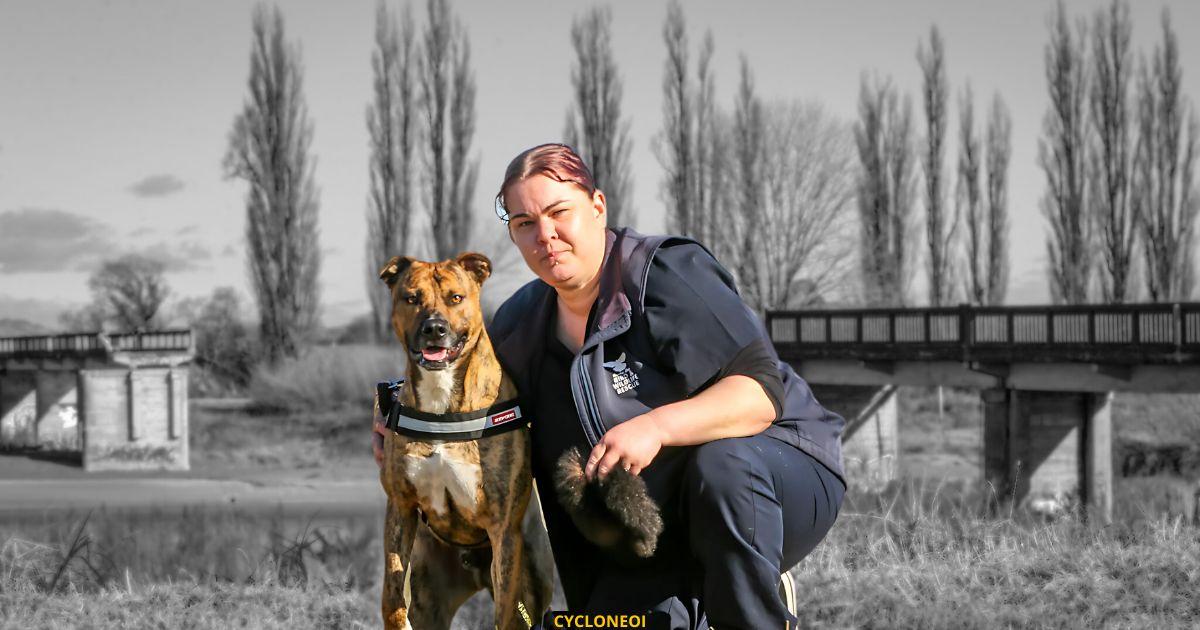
<point x="752" y="508"/>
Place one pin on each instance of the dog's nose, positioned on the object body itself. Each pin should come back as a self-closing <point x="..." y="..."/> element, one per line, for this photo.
<point x="434" y="328"/>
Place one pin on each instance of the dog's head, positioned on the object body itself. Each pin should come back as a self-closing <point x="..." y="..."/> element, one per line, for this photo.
<point x="435" y="306"/>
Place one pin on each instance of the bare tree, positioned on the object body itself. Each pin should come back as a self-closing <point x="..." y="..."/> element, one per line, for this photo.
<point x="448" y="104"/>
<point x="1062" y="154"/>
<point x="800" y="245"/>
<point x="1109" y="175"/>
<point x="749" y="144"/>
<point x="1163" y="196"/>
<point x="998" y="150"/>
<point x="940" y="229"/>
<point x="884" y="191"/>
<point x="391" y="125"/>
<point x="594" y="124"/>
<point x="269" y="149"/>
<point x="132" y="289"/>
<point x="674" y="145"/>
<point x="711" y="194"/>
<point x="968" y="197"/>
<point x="224" y="346"/>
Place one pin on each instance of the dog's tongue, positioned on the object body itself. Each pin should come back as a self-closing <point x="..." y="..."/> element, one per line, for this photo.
<point x="434" y="354"/>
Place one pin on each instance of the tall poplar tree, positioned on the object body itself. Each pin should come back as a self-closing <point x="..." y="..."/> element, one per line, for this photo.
<point x="269" y="149"/>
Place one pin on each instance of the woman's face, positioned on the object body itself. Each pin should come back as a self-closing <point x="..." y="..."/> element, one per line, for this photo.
<point x="558" y="228"/>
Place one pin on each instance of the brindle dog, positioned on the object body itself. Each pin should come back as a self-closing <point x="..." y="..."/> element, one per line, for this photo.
<point x="450" y="502"/>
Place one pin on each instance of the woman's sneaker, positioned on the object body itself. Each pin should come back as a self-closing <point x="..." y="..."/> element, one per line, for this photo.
<point x="787" y="593"/>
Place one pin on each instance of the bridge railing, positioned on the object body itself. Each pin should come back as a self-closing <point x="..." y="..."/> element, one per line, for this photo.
<point x="1123" y="333"/>
<point x="95" y="343"/>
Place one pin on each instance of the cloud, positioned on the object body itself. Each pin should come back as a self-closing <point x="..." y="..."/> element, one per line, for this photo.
<point x="43" y="312"/>
<point x="183" y="256"/>
<point x="47" y="239"/>
<point x="157" y="186"/>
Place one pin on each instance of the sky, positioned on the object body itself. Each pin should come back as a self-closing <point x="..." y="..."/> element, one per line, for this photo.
<point x="114" y="117"/>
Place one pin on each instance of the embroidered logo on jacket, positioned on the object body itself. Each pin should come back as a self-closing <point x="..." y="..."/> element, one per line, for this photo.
<point x="623" y="378"/>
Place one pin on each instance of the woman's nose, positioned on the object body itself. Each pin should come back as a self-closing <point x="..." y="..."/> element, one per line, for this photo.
<point x="546" y="231"/>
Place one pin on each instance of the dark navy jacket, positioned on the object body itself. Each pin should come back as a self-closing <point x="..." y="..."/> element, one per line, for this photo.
<point x="623" y="370"/>
<point x="608" y="391"/>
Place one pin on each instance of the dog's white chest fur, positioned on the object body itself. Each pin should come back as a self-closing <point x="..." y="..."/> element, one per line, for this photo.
<point x="434" y="389"/>
<point x="440" y="474"/>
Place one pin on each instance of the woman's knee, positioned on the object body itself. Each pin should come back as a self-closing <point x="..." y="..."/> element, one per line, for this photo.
<point x="723" y="468"/>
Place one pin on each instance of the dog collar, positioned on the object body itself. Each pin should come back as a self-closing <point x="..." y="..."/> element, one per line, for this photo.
<point x="499" y="418"/>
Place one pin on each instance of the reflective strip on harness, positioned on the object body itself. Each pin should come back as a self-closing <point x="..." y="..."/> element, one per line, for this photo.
<point x="497" y="419"/>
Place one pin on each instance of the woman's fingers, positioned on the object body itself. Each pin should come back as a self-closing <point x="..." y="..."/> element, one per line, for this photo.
<point x="611" y="459"/>
<point x="378" y="430"/>
<point x="377" y="448"/>
<point x="589" y="469"/>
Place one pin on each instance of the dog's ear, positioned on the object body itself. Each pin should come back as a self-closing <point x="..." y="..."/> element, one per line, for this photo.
<point x="394" y="267"/>
<point x="476" y="264"/>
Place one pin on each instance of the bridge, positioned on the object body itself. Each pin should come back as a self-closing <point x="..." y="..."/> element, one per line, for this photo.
<point x="1046" y="374"/>
<point x="119" y="401"/>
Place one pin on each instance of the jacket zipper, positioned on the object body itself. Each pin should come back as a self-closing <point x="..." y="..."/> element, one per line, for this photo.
<point x="592" y="426"/>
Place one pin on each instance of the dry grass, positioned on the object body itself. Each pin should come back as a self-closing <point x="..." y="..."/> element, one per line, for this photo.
<point x="916" y="556"/>
<point x="327" y="377"/>
<point x="198" y="545"/>
<point x="920" y="555"/>
<point x="210" y="567"/>
<point x="929" y="557"/>
<point x="185" y="605"/>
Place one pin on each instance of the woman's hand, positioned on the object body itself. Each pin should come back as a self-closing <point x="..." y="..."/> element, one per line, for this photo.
<point x="632" y="445"/>
<point x="735" y="406"/>
<point x="378" y="430"/>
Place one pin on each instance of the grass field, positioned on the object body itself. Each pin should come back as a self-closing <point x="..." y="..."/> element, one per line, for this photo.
<point x="922" y="554"/>
<point x="913" y="557"/>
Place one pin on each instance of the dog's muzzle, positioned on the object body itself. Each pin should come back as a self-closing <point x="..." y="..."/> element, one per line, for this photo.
<point x="436" y="346"/>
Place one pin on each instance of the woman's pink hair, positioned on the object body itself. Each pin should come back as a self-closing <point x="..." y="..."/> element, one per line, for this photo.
<point x="556" y="161"/>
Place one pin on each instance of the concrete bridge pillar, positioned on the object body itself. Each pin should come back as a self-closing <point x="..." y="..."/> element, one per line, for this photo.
<point x="870" y="444"/>
<point x="125" y="409"/>
<point x="1049" y="449"/>
<point x="18" y="409"/>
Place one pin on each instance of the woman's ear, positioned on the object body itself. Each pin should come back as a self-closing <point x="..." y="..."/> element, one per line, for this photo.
<point x="600" y="206"/>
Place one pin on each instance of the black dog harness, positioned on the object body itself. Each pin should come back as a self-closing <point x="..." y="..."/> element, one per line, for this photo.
<point x="469" y="425"/>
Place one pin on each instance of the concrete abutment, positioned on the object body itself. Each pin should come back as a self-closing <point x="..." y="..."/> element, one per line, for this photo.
<point x="870" y="444"/>
<point x="124" y="409"/>
<point x="1049" y="451"/>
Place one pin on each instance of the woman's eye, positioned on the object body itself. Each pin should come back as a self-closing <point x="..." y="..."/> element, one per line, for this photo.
<point x="456" y="298"/>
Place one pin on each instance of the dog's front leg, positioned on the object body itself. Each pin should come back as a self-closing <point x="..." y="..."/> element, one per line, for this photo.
<point x="517" y="605"/>
<point x="399" y="531"/>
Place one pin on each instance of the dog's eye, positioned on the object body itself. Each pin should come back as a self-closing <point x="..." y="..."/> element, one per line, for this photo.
<point x="410" y="298"/>
<point x="456" y="298"/>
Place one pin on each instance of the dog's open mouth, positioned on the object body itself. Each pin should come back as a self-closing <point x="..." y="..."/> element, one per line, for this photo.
<point x="433" y="357"/>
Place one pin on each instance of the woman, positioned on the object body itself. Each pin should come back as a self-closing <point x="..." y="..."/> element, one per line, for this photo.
<point x="639" y="351"/>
